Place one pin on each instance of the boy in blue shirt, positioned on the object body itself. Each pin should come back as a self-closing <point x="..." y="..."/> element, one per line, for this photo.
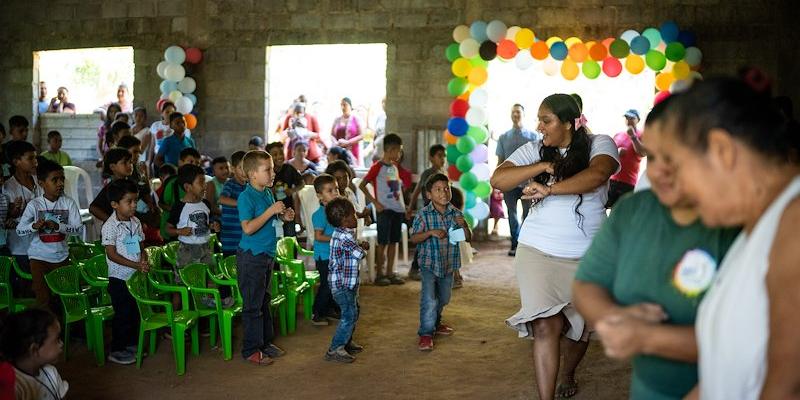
<point x="325" y="186"/>
<point x="231" y="227"/>
<point x="261" y="220"/>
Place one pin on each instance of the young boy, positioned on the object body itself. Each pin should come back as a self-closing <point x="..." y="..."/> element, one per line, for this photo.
<point x="170" y="192"/>
<point x="345" y="256"/>
<point x="325" y="186"/>
<point x="18" y="128"/>
<point x="222" y="171"/>
<point x="436" y="156"/>
<point x="388" y="200"/>
<point x="231" y="227"/>
<point x="147" y="210"/>
<point x="260" y="217"/>
<point x="49" y="218"/>
<point x="171" y="147"/>
<point x="123" y="239"/>
<point x="437" y="230"/>
<point x="55" y="154"/>
<point x="287" y="182"/>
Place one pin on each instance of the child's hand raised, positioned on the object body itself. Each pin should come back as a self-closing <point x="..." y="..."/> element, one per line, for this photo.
<point x="276" y="208"/>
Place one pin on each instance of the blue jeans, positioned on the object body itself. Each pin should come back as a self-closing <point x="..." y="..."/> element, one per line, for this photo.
<point x="348" y="302"/>
<point x="511" y="197"/>
<point x="255" y="276"/>
<point x="435" y="294"/>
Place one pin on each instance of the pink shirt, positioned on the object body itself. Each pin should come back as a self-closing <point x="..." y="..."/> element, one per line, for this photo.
<point x="347" y="129"/>
<point x="629" y="159"/>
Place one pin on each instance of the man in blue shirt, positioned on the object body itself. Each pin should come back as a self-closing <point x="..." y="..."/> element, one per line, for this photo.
<point x="171" y="147"/>
<point x="507" y="144"/>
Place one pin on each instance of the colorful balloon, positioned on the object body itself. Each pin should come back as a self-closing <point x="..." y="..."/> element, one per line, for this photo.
<point x="187" y="85"/>
<point x="451" y="52"/>
<point x="477" y="61"/>
<point x="458" y="108"/>
<point x="468" y="181"/>
<point x="478" y="31"/>
<point x="619" y="48"/>
<point x="174" y="96"/>
<point x="174" y="72"/>
<point x="634" y="64"/>
<point x="191" y="121"/>
<point x="559" y="51"/>
<point x="496" y="31"/>
<point x="664" y="80"/>
<point x="458" y="127"/>
<point x="578" y="52"/>
<point x="629" y="35"/>
<point x="452" y="154"/>
<point x="612" y="67"/>
<point x="571" y="41"/>
<point x="507" y="49"/>
<point x="483" y="189"/>
<point x="669" y="31"/>
<point x="479" y="98"/>
<point x="550" y="66"/>
<point x="464" y="163"/>
<point x="675" y="51"/>
<point x="569" y="70"/>
<point x="524" y="60"/>
<point x="681" y="70"/>
<point x="478" y="133"/>
<point x="175" y="55"/>
<point x="598" y="52"/>
<point x="465" y="144"/>
<point x="469" y="200"/>
<point x="449" y="138"/>
<point x="591" y="69"/>
<point x="693" y="56"/>
<point x="452" y="172"/>
<point x="655" y="60"/>
<point x="653" y="36"/>
<point x="476" y="116"/>
<point x="461" y="67"/>
<point x="688" y="38"/>
<point x="460" y="33"/>
<point x="481" y="170"/>
<point x="194" y="55"/>
<point x="456" y="86"/>
<point x="488" y="50"/>
<point x="553" y="39"/>
<point x="640" y="45"/>
<point x="477" y="76"/>
<point x="168" y="86"/>
<point x="660" y="96"/>
<point x="480" y="154"/>
<point x="524" y="38"/>
<point x="160" y="69"/>
<point x="469" y="48"/>
<point x="539" y="50"/>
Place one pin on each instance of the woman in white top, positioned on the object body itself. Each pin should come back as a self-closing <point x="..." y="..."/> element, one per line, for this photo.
<point x="141" y="130"/>
<point x="737" y="157"/>
<point x="568" y="172"/>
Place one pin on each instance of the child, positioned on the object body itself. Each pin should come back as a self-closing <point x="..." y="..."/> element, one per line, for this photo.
<point x="20" y="189"/>
<point x="18" y="128"/>
<point x="171" y="147"/>
<point x="344" y="180"/>
<point x="255" y="143"/>
<point x="170" y="192"/>
<point x="309" y="176"/>
<point x="55" y="154"/>
<point x="388" y="200"/>
<point x="437" y="229"/>
<point x="260" y="217"/>
<point x="343" y="278"/>
<point x="231" y="227"/>
<point x="222" y="171"/>
<point x="123" y="240"/>
<point x="49" y="218"/>
<point x="325" y="186"/>
<point x="146" y="209"/>
<point x="287" y="182"/>
<point x="117" y="164"/>
<point x="496" y="209"/>
<point x="31" y="341"/>
<point x="436" y="156"/>
<point x="160" y="129"/>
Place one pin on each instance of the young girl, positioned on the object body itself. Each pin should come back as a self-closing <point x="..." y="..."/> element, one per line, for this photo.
<point x="299" y="162"/>
<point x="31" y="342"/>
<point x="496" y="209"/>
<point x="111" y="116"/>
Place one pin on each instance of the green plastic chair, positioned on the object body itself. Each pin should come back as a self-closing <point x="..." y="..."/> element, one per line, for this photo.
<point x="170" y="253"/>
<point x="95" y="272"/>
<point x="213" y="242"/>
<point x="22" y="274"/>
<point x="151" y="320"/>
<point x="65" y="282"/>
<point x="154" y="257"/>
<point x="293" y="284"/>
<point x="7" y="299"/>
<point x="278" y="301"/>
<point x="287" y="247"/>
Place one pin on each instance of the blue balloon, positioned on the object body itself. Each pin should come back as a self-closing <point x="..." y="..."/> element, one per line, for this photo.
<point x="168" y="86"/>
<point x="457" y="126"/>
<point x="669" y="32"/>
<point x="559" y="51"/>
<point x="478" y="31"/>
<point x="640" y="45"/>
<point x="191" y="97"/>
<point x="687" y="38"/>
<point x="470" y="200"/>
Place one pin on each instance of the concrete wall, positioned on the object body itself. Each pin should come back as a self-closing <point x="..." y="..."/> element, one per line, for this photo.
<point x="235" y="33"/>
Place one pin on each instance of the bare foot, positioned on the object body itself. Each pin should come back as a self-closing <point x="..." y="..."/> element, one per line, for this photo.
<point x="567" y="388"/>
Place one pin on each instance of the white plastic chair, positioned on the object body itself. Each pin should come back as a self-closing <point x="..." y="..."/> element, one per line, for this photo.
<point x="374" y="226"/>
<point x="309" y="203"/>
<point x="72" y="177"/>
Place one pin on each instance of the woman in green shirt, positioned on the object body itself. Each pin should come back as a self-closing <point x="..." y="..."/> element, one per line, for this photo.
<point x="641" y="280"/>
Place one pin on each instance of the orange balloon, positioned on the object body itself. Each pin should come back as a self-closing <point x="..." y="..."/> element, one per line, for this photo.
<point x="464" y="96"/>
<point x="578" y="52"/>
<point x="539" y="50"/>
<point x="598" y="52"/>
<point x="569" y="70"/>
<point x="191" y="121"/>
<point x="449" y="138"/>
<point x="664" y="80"/>
<point x="607" y="42"/>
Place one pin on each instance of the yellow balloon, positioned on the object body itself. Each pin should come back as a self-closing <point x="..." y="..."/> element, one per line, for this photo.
<point x="552" y="40"/>
<point x="634" y="64"/>
<point x="569" y="69"/>
<point x="524" y="38"/>
<point x="478" y="76"/>
<point x="572" y="40"/>
<point x="664" y="80"/>
<point x="681" y="70"/>
<point x="461" y="67"/>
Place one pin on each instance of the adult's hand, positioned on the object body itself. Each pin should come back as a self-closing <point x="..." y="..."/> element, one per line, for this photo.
<point x="535" y="190"/>
<point x="622" y="335"/>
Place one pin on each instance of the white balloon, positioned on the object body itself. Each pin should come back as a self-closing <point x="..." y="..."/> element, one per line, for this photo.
<point x="460" y="33"/>
<point x="191" y="97"/>
<point x="476" y="116"/>
<point x="696" y="76"/>
<point x="184" y="105"/>
<point x="479" y="98"/>
<point x="681" y="85"/>
<point x="481" y="170"/>
<point x="160" y="69"/>
<point x="480" y="211"/>
<point x="174" y="96"/>
<point x="693" y="56"/>
<point x="187" y="85"/>
<point x="629" y="35"/>
<point x="551" y="66"/>
<point x="174" y="72"/>
<point x="175" y="55"/>
<point x="524" y="60"/>
<point x="496" y="30"/>
<point x="469" y="48"/>
<point x="511" y="33"/>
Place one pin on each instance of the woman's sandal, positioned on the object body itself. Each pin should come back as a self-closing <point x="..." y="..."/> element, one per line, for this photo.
<point x="567" y="390"/>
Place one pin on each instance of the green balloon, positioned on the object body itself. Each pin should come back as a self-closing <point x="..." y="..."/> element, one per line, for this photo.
<point x="468" y="180"/>
<point x="478" y="133"/>
<point x="619" y="48"/>
<point x="477" y="61"/>
<point x="655" y="60"/>
<point x="457" y="86"/>
<point x="464" y="163"/>
<point x="482" y="190"/>
<point x="675" y="51"/>
<point x="452" y="52"/>
<point x="465" y="144"/>
<point x="591" y="69"/>
<point x="452" y="153"/>
<point x="468" y="218"/>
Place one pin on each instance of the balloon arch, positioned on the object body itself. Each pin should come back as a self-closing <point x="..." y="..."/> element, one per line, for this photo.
<point x="177" y="86"/>
<point x="668" y="51"/>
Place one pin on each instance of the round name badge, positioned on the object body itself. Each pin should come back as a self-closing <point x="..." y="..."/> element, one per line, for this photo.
<point x="695" y="272"/>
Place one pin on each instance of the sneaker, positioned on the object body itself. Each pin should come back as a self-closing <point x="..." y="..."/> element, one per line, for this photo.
<point x="512" y="253"/>
<point x="133" y="349"/>
<point x="272" y="351"/>
<point x="339" y="355"/>
<point x="382" y="281"/>
<point x="228" y="302"/>
<point x="414" y="275"/>
<point x="353" y="348"/>
<point x="122" y="357"/>
<point x="426" y="343"/>
<point x="444" y="330"/>
<point x="258" y="358"/>
<point x="319" y="321"/>
<point x="396" y="280"/>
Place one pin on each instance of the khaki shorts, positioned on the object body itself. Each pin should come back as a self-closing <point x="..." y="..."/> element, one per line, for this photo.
<point x="192" y="253"/>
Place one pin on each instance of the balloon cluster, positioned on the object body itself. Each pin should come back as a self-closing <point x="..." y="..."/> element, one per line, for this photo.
<point x="176" y="86"/>
<point x="667" y="50"/>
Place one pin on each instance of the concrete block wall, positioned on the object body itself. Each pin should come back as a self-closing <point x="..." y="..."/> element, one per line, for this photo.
<point x="235" y="34"/>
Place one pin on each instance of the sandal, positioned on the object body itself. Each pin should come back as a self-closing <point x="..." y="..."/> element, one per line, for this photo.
<point x="259" y="359"/>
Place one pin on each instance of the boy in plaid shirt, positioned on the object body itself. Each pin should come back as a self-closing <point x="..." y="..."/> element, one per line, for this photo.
<point x="345" y="256"/>
<point x="437" y="229"/>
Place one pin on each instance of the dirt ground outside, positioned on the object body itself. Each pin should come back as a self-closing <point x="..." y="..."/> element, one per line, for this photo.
<point x="484" y="359"/>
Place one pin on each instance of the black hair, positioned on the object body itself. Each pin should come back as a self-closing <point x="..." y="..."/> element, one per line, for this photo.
<point x="236" y="158"/>
<point x="53" y="134"/>
<point x="189" y="152"/>
<point x="576" y="158"/>
<point x="166" y="104"/>
<point x="519" y="105"/>
<point x="578" y="100"/>
<point x="658" y="112"/>
<point x="433" y="179"/>
<point x="23" y="329"/>
<point x="337" y="209"/>
<point x="323" y="180"/>
<point x="15" y="149"/>
<point x="256" y="141"/>
<point x="44" y="167"/>
<point x="339" y="165"/>
<point x="167" y="169"/>
<point x="108" y="120"/>
<point x="188" y="173"/>
<point x="435" y="149"/>
<point x="120" y="116"/>
<point x="747" y="114"/>
<point x="392" y="139"/>
<point x="219" y="160"/>
<point x="274" y="145"/>
<point x="113" y="156"/>
<point x="141" y="110"/>
<point x="341" y="154"/>
<point x="174" y="116"/>
<point x="118" y="188"/>
<point x="300" y="142"/>
<point x="128" y="141"/>
<point x="457" y="198"/>
<point x="348" y="101"/>
<point x="17" y="121"/>
<point x="116" y="128"/>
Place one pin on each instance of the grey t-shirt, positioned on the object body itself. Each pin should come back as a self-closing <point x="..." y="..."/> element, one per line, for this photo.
<point x="385" y="178"/>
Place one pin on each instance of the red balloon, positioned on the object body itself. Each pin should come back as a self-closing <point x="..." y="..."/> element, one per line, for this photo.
<point x="661" y="96"/>
<point x="507" y="49"/>
<point x="458" y="108"/>
<point x="612" y="67"/>
<point x="194" y="55"/>
<point x="453" y="173"/>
